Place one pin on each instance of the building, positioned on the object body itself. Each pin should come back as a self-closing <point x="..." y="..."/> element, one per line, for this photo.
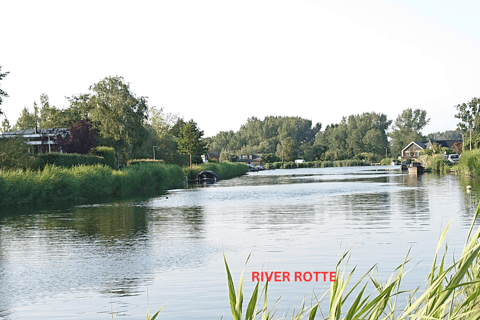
<point x="414" y="148"/>
<point x="253" y="159"/>
<point x="40" y="140"/>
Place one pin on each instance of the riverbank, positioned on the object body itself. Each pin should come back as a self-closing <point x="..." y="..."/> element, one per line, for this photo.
<point x="52" y="184"/>
<point x="316" y="164"/>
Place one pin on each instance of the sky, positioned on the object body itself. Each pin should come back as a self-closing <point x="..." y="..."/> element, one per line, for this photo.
<point x="222" y="62"/>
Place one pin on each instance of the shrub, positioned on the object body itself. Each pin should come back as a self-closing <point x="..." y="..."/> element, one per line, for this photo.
<point x="66" y="160"/>
<point x="107" y="153"/>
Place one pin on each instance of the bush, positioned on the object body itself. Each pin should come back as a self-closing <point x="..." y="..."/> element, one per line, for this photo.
<point x="107" y="153"/>
<point x="66" y="160"/>
<point x="137" y="161"/>
<point x="469" y="163"/>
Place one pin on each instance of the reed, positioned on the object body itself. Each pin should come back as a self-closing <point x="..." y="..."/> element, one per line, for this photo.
<point x="451" y="291"/>
<point x="54" y="183"/>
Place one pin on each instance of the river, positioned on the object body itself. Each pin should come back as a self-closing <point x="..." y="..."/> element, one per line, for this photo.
<point x="96" y="260"/>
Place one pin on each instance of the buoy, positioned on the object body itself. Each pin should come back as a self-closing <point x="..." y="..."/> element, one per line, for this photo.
<point x="469" y="188"/>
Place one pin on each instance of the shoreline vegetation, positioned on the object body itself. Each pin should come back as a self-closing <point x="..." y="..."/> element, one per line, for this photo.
<point x="83" y="182"/>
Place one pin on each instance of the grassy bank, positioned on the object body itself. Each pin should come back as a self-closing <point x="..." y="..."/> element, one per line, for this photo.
<point x="224" y="170"/>
<point x="469" y="163"/>
<point x="82" y="182"/>
<point x="316" y="164"/>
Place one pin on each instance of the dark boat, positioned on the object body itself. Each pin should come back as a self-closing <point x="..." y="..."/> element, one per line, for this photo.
<point x="415" y="168"/>
<point x="205" y="177"/>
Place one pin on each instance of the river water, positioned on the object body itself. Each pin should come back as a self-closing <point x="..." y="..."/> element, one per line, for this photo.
<point x="99" y="260"/>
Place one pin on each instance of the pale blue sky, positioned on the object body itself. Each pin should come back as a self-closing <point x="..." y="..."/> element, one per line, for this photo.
<point x="221" y="62"/>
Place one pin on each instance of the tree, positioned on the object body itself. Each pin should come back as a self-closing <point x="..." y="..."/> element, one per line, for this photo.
<point x="6" y="125"/>
<point x="81" y="139"/>
<point x="406" y="129"/>
<point x="14" y="154"/>
<point x="26" y="120"/>
<point x="190" y="141"/>
<point x="2" y="93"/>
<point x="286" y="149"/>
<point x="116" y="112"/>
<point x="50" y="117"/>
<point x="469" y="113"/>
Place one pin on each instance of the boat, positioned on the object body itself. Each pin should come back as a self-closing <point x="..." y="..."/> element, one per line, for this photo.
<point x="415" y="168"/>
<point x="205" y="177"/>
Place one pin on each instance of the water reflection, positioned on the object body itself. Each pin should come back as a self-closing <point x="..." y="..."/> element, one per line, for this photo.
<point x="291" y="219"/>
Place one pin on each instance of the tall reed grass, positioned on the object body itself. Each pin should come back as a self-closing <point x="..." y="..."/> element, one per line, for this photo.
<point x="452" y="291"/>
<point x="469" y="163"/>
<point x="54" y="183"/>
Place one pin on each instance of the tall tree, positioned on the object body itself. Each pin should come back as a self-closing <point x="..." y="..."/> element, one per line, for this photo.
<point x="286" y="149"/>
<point x="50" y="117"/>
<point x="469" y="115"/>
<point x="115" y="110"/>
<point x="2" y="93"/>
<point x="26" y="120"/>
<point x="406" y="129"/>
<point x="6" y="125"/>
<point x="190" y="141"/>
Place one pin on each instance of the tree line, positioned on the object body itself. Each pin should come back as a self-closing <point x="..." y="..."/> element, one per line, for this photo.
<point x="361" y="136"/>
<point x="110" y="114"/>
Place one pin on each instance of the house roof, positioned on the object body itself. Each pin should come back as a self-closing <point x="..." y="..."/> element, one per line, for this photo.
<point x="445" y="143"/>
<point x="420" y="144"/>
<point x="34" y="132"/>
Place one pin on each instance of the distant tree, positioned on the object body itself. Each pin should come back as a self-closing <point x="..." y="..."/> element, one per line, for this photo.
<point x="6" y="125"/>
<point x="2" y="93"/>
<point x="286" y="150"/>
<point x="81" y="139"/>
<point x="406" y="129"/>
<point x="175" y="130"/>
<point x="227" y="155"/>
<point x="445" y="135"/>
<point x="469" y="115"/>
<point x="162" y="121"/>
<point x="269" y="158"/>
<point x="190" y="141"/>
<point x="26" y="120"/>
<point x="50" y="117"/>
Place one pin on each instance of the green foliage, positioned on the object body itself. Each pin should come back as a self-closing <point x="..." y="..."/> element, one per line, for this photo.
<point x="317" y="164"/>
<point x="353" y="135"/>
<point x="137" y="161"/>
<point x="66" y="160"/>
<point x="469" y="163"/>
<point x="107" y="153"/>
<point x="445" y="135"/>
<point x="26" y="120"/>
<point x="228" y="156"/>
<point x="5" y="125"/>
<point x="224" y="170"/>
<point x="406" y="129"/>
<point x="14" y="154"/>
<point x="190" y="140"/>
<point x="469" y="115"/>
<point x="286" y="149"/>
<point x="55" y="183"/>
<point x="3" y="94"/>
<point x="263" y="136"/>
<point x="368" y="157"/>
<point x="269" y="158"/>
